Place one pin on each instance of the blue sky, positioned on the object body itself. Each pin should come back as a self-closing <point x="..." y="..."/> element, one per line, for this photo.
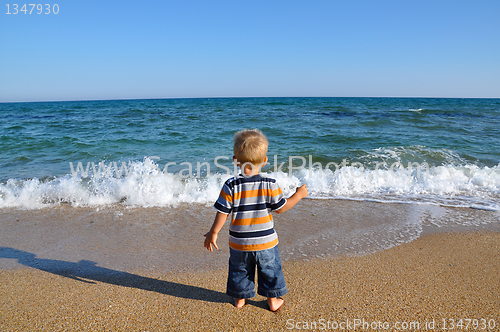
<point x="174" y="49"/>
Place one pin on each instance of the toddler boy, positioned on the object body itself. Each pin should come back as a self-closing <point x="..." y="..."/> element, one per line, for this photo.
<point x="253" y="242"/>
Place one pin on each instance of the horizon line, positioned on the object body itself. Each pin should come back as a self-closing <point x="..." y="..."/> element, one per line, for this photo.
<point x="237" y="97"/>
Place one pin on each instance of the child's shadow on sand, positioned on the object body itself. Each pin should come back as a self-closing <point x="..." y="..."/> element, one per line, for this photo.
<point x="89" y="272"/>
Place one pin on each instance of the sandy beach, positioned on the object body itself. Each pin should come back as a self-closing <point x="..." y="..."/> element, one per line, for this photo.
<point x="90" y="274"/>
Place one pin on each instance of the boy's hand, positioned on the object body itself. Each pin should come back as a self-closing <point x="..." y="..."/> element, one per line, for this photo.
<point x="211" y="239"/>
<point x="211" y="236"/>
<point x="302" y="191"/>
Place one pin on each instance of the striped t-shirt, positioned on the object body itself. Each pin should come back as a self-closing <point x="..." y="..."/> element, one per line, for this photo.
<point x="251" y="199"/>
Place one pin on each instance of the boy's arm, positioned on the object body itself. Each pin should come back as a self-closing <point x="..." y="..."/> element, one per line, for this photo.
<point x="211" y="236"/>
<point x="300" y="193"/>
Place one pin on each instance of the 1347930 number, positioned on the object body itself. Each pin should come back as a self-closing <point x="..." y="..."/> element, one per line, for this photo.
<point x="476" y="324"/>
<point x="32" y="8"/>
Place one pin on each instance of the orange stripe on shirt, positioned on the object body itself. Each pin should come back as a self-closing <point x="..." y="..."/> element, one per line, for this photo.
<point x="257" y="193"/>
<point x="226" y="196"/>
<point x="252" y="221"/>
<point x="253" y="247"/>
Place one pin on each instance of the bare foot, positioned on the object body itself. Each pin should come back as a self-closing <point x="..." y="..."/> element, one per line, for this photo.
<point x="275" y="303"/>
<point x="238" y="303"/>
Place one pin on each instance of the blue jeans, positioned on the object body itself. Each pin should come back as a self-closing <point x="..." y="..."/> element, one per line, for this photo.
<point x="241" y="276"/>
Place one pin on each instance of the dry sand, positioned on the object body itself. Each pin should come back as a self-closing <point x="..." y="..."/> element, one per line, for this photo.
<point x="438" y="276"/>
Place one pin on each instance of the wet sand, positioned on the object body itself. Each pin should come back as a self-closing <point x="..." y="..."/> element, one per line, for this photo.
<point x="162" y="240"/>
<point x="73" y="269"/>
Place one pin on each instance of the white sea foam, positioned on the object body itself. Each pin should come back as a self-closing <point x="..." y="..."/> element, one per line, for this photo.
<point x="468" y="186"/>
<point x="465" y="186"/>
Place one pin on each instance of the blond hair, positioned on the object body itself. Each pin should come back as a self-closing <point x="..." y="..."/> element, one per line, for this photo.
<point x="250" y="146"/>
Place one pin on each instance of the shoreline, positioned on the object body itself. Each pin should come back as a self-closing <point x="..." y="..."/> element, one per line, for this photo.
<point x="163" y="240"/>
<point x="436" y="278"/>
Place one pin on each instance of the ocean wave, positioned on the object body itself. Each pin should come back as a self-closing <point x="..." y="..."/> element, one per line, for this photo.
<point x="147" y="186"/>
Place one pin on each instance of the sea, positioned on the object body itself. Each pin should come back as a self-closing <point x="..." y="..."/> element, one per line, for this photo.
<point x="163" y="152"/>
<point x="129" y="185"/>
